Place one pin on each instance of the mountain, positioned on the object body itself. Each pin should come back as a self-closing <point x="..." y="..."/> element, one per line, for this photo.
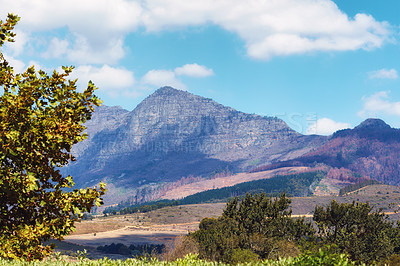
<point x="370" y="150"/>
<point x="174" y="134"/>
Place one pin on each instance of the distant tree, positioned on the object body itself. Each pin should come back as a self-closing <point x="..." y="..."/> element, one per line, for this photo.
<point x="357" y="186"/>
<point x="357" y="230"/>
<point x="41" y="117"/>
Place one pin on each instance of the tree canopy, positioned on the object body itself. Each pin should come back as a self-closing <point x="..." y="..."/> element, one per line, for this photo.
<point x="357" y="230"/>
<point x="41" y="117"/>
<point x="256" y="226"/>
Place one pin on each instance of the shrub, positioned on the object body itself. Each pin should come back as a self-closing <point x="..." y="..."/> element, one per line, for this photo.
<point x="180" y="247"/>
<point x="243" y="256"/>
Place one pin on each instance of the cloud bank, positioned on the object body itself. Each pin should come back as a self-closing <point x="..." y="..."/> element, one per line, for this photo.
<point x="379" y="104"/>
<point x="384" y="74"/>
<point x="162" y="77"/>
<point x="96" y="29"/>
<point x="326" y="126"/>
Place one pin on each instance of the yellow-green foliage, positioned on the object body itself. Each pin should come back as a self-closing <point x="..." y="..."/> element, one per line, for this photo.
<point x="41" y="117"/>
<point x="322" y="258"/>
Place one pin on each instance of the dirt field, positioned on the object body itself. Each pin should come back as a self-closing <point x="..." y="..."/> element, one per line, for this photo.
<point x="156" y="227"/>
<point x="131" y="235"/>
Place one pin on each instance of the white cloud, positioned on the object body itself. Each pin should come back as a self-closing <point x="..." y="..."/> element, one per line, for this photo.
<point x="18" y="65"/>
<point x="162" y="78"/>
<point x="273" y="28"/>
<point x="114" y="81"/>
<point x="194" y="70"/>
<point x="383" y="74"/>
<point x="268" y="28"/>
<point x="379" y="104"/>
<point x="56" y="49"/>
<point x="79" y="50"/>
<point x="326" y="126"/>
<point x="82" y="51"/>
<point x="97" y="27"/>
<point x="17" y="47"/>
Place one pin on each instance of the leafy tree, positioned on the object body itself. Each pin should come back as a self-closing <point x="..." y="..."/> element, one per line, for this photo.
<point x="41" y="117"/>
<point x="217" y="238"/>
<point x="257" y="224"/>
<point x="355" y="229"/>
<point x="270" y="217"/>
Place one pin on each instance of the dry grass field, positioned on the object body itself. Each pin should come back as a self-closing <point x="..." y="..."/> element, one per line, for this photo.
<point x="156" y="227"/>
<point x="163" y="225"/>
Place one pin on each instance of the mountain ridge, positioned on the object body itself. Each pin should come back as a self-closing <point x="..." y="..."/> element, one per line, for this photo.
<point x="368" y="151"/>
<point x="172" y="134"/>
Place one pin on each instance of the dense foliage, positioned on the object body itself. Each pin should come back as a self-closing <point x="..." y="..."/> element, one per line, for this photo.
<point x="259" y="227"/>
<point x="41" y="117"/>
<point x="355" y="229"/>
<point x="293" y="185"/>
<point x="321" y="258"/>
<point x="250" y="229"/>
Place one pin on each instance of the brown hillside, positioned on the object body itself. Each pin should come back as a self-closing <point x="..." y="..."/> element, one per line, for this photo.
<point x="220" y="182"/>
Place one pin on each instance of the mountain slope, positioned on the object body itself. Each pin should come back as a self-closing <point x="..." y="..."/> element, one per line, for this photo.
<point x="174" y="133"/>
<point x="369" y="150"/>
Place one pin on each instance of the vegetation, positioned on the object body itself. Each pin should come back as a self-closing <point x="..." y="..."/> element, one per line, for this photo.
<point x="320" y="258"/>
<point x="357" y="186"/>
<point x="134" y="250"/>
<point x="150" y="206"/>
<point x="250" y="229"/>
<point x="41" y="117"/>
<point x="259" y="227"/>
<point x="294" y="185"/>
<point x="355" y="229"/>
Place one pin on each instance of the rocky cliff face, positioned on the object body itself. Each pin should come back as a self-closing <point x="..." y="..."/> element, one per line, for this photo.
<point x="173" y="133"/>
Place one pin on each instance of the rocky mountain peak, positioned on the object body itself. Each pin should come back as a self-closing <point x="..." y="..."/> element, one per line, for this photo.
<point x="373" y="124"/>
<point x="174" y="133"/>
<point x="166" y="94"/>
<point x="167" y="90"/>
<point x="171" y="104"/>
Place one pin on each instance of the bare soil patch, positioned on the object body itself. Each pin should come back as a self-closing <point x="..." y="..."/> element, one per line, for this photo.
<point x="156" y="227"/>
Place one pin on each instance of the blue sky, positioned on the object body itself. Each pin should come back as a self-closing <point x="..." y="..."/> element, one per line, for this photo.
<point x="320" y="65"/>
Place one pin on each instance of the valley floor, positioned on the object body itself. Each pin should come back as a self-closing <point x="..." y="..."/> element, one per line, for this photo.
<point x="164" y="225"/>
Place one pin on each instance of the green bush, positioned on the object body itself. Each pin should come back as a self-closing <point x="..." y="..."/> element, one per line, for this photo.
<point x="324" y="256"/>
<point x="243" y="256"/>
